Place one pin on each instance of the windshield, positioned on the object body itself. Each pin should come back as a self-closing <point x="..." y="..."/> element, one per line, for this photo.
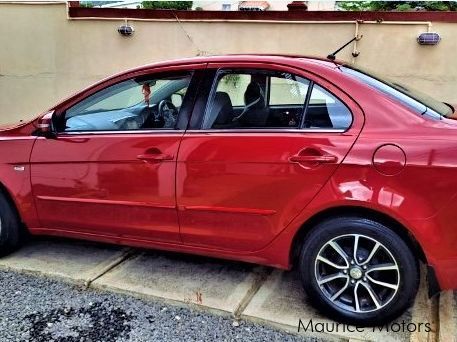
<point x="414" y="99"/>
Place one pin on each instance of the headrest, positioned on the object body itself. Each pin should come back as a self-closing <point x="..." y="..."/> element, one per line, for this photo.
<point x="222" y="109"/>
<point x="221" y="98"/>
<point x="253" y="96"/>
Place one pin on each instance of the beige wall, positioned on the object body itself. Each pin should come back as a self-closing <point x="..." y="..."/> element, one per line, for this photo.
<point x="275" y="5"/>
<point x="45" y="57"/>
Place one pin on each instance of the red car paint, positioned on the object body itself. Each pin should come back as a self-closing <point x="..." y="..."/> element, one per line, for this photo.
<point x="241" y="195"/>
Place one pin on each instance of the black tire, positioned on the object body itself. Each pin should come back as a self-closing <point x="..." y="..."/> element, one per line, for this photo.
<point x="402" y="272"/>
<point x="10" y="228"/>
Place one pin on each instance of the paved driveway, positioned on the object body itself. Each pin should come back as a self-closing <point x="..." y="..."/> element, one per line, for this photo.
<point x="242" y="291"/>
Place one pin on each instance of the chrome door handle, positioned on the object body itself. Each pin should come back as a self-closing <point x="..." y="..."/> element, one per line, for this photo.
<point x="326" y="158"/>
<point x="155" y="157"/>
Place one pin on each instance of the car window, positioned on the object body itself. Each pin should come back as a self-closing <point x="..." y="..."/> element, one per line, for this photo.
<point x="234" y="85"/>
<point x="135" y="104"/>
<point x="325" y="110"/>
<point x="256" y="99"/>
<point x="417" y="101"/>
<point x="262" y="99"/>
<point x="288" y="90"/>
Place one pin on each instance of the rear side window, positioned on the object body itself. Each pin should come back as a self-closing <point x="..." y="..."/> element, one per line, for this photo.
<point x="262" y="99"/>
<point x="288" y="90"/>
<point x="234" y="85"/>
<point x="256" y="99"/>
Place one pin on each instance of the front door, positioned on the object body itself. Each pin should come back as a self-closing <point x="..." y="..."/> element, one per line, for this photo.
<point x="110" y="170"/>
<point x="267" y="142"/>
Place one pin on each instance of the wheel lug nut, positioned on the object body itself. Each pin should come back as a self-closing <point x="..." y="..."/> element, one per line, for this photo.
<point x="364" y="267"/>
<point x="345" y="271"/>
<point x="352" y="281"/>
<point x="352" y="262"/>
<point x="364" y="279"/>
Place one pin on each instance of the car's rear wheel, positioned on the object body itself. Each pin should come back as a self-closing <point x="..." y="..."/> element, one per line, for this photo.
<point x="358" y="271"/>
<point x="10" y="229"/>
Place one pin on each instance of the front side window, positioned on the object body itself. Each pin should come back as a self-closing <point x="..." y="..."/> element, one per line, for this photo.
<point x="262" y="99"/>
<point x="135" y="104"/>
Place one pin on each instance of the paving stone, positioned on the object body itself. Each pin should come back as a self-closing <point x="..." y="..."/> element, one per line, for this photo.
<point x="76" y="260"/>
<point x="212" y="283"/>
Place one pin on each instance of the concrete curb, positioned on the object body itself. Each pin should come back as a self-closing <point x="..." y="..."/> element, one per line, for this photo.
<point x="447" y="317"/>
<point x="76" y="261"/>
<point x="424" y="310"/>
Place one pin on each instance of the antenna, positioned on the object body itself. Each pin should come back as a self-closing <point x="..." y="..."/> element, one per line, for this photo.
<point x="332" y="56"/>
<point x="189" y="37"/>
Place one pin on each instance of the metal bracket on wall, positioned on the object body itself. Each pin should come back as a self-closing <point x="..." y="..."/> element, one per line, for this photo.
<point x="356" y="53"/>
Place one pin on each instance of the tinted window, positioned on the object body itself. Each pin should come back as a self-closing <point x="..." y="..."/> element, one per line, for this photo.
<point x="256" y="99"/>
<point x="267" y="99"/>
<point x="288" y="90"/>
<point x="235" y="86"/>
<point x="143" y="103"/>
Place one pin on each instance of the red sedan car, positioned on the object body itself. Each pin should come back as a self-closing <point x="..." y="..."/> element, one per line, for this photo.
<point x="277" y="160"/>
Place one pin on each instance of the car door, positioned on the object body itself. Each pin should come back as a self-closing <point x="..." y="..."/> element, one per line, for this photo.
<point x="262" y="142"/>
<point x="110" y="168"/>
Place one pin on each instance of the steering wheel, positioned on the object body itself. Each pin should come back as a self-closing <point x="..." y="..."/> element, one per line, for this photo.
<point x="167" y="112"/>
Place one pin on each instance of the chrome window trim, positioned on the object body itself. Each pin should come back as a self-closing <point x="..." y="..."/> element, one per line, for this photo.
<point x="148" y="131"/>
<point x="271" y="130"/>
<point x="195" y="131"/>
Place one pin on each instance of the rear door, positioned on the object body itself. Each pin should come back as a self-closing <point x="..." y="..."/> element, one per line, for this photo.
<point x="253" y="159"/>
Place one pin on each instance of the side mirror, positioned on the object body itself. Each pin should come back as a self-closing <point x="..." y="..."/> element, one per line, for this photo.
<point x="46" y="126"/>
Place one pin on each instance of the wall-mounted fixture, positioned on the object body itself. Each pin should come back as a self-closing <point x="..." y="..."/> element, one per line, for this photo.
<point x="125" y="30"/>
<point x="428" y="38"/>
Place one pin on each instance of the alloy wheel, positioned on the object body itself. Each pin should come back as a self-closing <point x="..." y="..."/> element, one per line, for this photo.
<point x="357" y="273"/>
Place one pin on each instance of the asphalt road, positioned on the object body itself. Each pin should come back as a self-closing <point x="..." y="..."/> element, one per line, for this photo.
<point x="33" y="308"/>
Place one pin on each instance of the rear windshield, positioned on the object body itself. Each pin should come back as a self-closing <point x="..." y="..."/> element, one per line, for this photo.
<point x="419" y="102"/>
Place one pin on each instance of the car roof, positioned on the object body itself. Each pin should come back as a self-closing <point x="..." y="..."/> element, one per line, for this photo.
<point x="249" y="57"/>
